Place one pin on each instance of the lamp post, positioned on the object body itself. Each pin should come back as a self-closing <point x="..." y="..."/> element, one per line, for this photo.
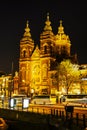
<point x="80" y="82"/>
<point x="10" y="88"/>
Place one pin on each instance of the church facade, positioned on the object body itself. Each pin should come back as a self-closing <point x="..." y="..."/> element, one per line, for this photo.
<point x="37" y="64"/>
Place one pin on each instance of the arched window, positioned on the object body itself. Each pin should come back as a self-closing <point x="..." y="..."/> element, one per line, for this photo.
<point x="24" y="53"/>
<point x="45" y="49"/>
<point x="51" y="50"/>
<point x="44" y="71"/>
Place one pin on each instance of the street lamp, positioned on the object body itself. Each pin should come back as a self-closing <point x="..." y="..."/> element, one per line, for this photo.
<point x="32" y="92"/>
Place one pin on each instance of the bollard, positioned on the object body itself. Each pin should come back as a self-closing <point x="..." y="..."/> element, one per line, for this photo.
<point x="84" y="121"/>
<point x="43" y="111"/>
<point x="37" y="110"/>
<point x="17" y="116"/>
<point x="60" y="113"/>
<point x="77" y="119"/>
<point x="56" y="113"/>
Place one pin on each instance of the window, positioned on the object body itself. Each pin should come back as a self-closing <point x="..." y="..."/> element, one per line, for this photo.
<point x="24" y="53"/>
<point x="45" y="49"/>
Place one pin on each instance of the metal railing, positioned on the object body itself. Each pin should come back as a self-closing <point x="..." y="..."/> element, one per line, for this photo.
<point x="78" y="115"/>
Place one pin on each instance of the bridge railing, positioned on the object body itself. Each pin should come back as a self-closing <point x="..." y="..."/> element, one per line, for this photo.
<point x="78" y="114"/>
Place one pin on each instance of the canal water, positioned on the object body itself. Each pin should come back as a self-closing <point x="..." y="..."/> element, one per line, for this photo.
<point x="17" y="125"/>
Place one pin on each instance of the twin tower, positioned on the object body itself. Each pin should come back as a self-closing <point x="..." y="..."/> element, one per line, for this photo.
<point x="37" y="64"/>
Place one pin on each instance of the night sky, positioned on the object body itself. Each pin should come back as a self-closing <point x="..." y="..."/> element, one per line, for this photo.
<point x="13" y="17"/>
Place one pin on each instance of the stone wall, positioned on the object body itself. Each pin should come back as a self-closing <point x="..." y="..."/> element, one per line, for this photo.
<point x="23" y="116"/>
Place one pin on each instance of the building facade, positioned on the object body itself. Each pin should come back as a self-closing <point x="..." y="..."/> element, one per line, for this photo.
<point x="6" y="85"/>
<point x="37" y="64"/>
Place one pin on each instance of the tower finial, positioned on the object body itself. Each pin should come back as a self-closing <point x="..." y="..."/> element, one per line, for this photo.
<point x="27" y="30"/>
<point x="27" y="23"/>
<point x="48" y="26"/>
<point x="27" y="34"/>
<point x="48" y="16"/>
<point x="60" y="28"/>
<point x="60" y="22"/>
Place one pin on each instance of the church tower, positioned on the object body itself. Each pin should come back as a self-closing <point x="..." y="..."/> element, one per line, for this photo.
<point x="47" y="45"/>
<point x="47" y="39"/>
<point x="62" y="43"/>
<point x="26" y="49"/>
<point x="38" y="65"/>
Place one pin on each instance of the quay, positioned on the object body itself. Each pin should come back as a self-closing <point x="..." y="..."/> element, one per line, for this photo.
<point x="25" y="116"/>
<point x="57" y="117"/>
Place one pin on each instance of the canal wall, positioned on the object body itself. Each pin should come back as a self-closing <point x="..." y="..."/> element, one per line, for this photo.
<point x="55" y="116"/>
<point x="23" y="116"/>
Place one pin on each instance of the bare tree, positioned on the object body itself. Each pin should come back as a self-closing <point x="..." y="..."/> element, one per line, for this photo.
<point x="67" y="73"/>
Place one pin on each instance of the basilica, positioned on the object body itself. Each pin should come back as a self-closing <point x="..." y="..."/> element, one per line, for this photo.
<point x="37" y="63"/>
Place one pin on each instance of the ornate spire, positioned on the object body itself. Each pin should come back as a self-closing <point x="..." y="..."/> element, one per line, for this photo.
<point x="60" y="28"/>
<point x="47" y="26"/>
<point x="27" y="35"/>
<point x="27" y="30"/>
<point x="62" y="41"/>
